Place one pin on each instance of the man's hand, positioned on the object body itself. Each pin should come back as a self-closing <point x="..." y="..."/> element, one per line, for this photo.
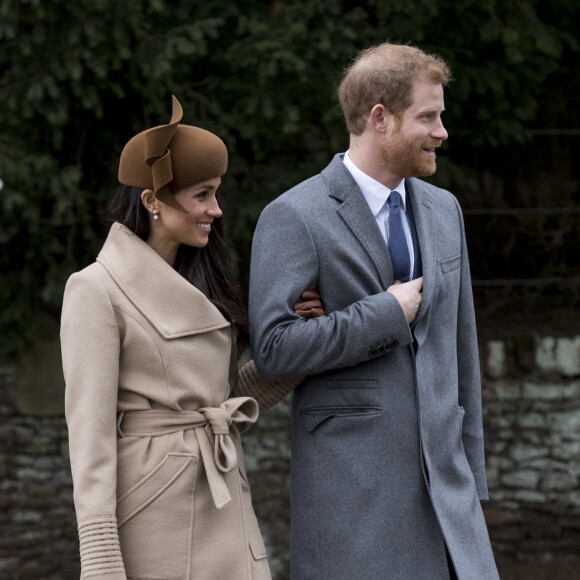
<point x="311" y="307"/>
<point x="409" y="296"/>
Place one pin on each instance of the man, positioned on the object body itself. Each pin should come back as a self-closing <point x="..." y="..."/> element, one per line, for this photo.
<point x="387" y="442"/>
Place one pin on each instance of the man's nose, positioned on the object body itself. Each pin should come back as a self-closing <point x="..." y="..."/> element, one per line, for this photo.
<point x="439" y="131"/>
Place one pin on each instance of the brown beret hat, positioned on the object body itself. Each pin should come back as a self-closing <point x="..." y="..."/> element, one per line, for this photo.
<point x="170" y="157"/>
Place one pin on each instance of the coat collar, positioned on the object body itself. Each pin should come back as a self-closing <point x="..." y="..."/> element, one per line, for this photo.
<point x="357" y="215"/>
<point x="171" y="304"/>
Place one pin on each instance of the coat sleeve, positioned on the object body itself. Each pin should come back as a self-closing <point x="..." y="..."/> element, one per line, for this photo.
<point x="90" y="352"/>
<point x="250" y="383"/>
<point x="469" y="373"/>
<point x="284" y="264"/>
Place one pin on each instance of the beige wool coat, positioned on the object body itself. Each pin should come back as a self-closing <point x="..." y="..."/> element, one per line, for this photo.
<point x="155" y="406"/>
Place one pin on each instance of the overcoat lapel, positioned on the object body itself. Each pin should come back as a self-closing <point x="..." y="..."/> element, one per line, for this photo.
<point x="418" y="267"/>
<point x="357" y="215"/>
<point x="171" y="304"/>
<point x="423" y="215"/>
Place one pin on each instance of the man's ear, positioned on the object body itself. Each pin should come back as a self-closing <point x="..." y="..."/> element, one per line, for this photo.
<point x="382" y="120"/>
<point x="379" y="118"/>
<point x="149" y="200"/>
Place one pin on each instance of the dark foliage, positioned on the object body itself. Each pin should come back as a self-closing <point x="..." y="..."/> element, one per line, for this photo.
<point x="77" y="79"/>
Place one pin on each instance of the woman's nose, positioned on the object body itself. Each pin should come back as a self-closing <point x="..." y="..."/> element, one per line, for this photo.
<point x="215" y="210"/>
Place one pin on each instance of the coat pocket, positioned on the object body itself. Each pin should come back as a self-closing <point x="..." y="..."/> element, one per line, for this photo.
<point x="451" y="264"/>
<point x="155" y="519"/>
<point x="349" y="384"/>
<point x="153" y="485"/>
<point x="255" y="540"/>
<point x="315" y="416"/>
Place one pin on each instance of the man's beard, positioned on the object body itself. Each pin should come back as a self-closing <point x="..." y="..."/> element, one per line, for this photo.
<point x="406" y="158"/>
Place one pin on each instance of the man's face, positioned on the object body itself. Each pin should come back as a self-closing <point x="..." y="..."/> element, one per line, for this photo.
<point x="410" y="142"/>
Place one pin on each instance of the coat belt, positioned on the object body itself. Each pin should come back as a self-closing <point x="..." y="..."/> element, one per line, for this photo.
<point x="211" y="425"/>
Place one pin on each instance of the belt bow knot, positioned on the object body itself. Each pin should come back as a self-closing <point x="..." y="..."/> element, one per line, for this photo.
<point x="219" y="421"/>
<point x="212" y="427"/>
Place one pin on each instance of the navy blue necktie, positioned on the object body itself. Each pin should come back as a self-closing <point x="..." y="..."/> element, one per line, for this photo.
<point x="397" y="243"/>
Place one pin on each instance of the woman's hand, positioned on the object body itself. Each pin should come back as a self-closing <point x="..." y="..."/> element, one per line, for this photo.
<point x="311" y="307"/>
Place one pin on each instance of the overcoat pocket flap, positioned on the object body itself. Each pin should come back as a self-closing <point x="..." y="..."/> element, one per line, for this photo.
<point x="312" y="419"/>
<point x="315" y="416"/>
<point x="152" y="485"/>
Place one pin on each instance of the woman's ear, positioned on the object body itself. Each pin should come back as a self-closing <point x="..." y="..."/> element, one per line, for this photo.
<point x="149" y="200"/>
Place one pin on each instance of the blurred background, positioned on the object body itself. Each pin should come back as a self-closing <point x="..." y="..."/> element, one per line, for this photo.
<point x="78" y="79"/>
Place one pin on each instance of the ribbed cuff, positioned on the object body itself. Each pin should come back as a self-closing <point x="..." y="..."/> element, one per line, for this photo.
<point x="267" y="393"/>
<point x="100" y="549"/>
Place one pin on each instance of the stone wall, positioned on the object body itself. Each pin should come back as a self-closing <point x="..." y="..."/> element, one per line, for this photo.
<point x="531" y="401"/>
<point x="38" y="536"/>
<point x="531" y="393"/>
<point x="267" y="450"/>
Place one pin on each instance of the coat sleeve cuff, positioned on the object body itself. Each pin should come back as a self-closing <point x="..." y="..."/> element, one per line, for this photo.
<point x="100" y="549"/>
<point x="482" y="491"/>
<point x="250" y="383"/>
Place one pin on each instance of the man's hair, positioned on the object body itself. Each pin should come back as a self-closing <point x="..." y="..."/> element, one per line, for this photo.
<point x="384" y="75"/>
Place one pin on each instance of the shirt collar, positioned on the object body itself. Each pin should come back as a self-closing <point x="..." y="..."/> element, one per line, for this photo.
<point x="375" y="193"/>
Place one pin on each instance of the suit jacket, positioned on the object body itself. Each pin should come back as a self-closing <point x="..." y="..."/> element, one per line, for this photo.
<point x="387" y="441"/>
<point x="148" y="366"/>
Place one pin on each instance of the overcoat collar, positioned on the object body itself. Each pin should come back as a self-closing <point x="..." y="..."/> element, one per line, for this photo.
<point x="167" y="300"/>
<point x="356" y="213"/>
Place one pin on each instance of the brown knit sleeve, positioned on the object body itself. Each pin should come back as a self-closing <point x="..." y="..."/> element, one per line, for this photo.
<point x="249" y="383"/>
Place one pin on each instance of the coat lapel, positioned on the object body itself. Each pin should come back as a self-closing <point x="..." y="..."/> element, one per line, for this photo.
<point x="418" y="267"/>
<point x="423" y="215"/>
<point x="170" y="303"/>
<point x="357" y="215"/>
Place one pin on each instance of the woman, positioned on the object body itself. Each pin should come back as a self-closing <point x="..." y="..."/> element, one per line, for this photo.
<point x="154" y="402"/>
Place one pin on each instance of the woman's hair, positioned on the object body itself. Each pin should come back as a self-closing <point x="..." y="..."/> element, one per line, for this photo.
<point x="384" y="75"/>
<point x="207" y="268"/>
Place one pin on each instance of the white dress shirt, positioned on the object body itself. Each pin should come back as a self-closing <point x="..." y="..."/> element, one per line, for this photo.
<point x="377" y="195"/>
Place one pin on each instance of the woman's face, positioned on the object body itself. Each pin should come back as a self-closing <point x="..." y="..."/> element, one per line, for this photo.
<point x="174" y="227"/>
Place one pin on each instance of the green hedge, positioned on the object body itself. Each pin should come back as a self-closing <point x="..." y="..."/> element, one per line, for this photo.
<point x="77" y="79"/>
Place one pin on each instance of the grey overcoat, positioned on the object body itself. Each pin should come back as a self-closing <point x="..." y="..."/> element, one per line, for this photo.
<point x="387" y="440"/>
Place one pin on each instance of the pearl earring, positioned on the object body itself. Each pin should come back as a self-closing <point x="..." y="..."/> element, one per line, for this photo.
<point x="155" y="216"/>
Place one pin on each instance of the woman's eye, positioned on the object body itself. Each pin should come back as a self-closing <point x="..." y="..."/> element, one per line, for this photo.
<point x="202" y="195"/>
